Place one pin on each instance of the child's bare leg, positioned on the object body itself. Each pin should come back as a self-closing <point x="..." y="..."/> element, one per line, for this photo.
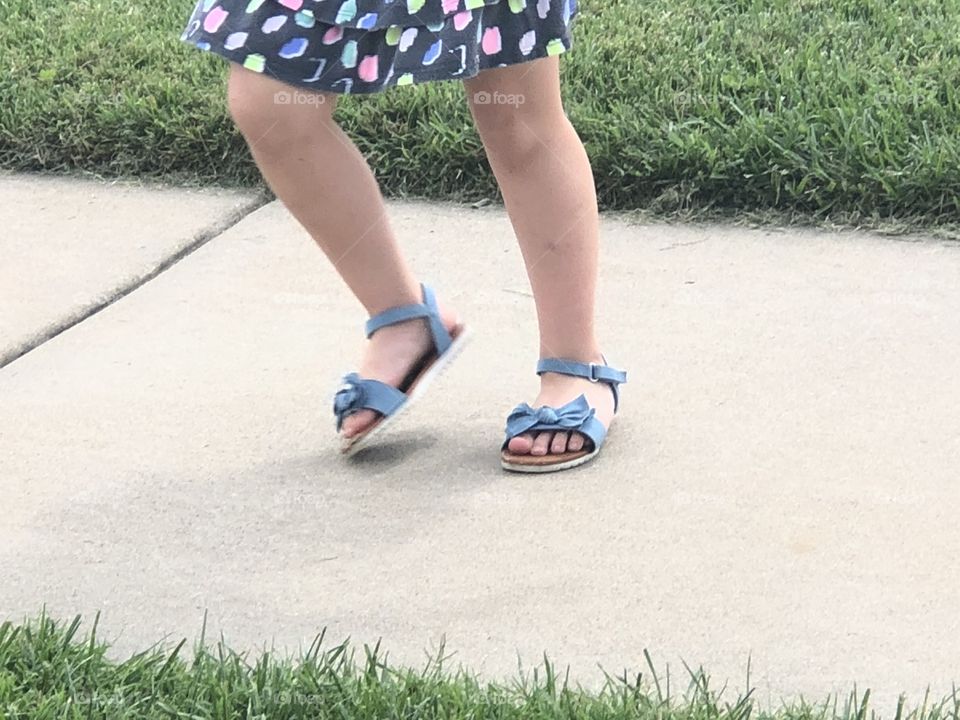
<point x="324" y="181"/>
<point x="547" y="184"/>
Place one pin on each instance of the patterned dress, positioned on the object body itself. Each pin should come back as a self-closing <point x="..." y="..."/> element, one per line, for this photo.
<point x="365" y="46"/>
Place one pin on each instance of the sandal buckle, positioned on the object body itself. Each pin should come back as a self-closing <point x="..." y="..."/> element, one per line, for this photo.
<point x="593" y="373"/>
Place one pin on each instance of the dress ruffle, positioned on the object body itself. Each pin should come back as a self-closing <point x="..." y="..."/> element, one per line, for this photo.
<point x="364" y="46"/>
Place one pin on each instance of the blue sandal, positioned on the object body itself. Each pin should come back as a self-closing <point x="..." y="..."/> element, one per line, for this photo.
<point x="575" y="416"/>
<point x="357" y="393"/>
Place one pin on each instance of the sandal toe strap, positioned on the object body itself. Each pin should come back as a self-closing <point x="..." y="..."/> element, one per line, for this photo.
<point x="575" y="416"/>
<point x="357" y="393"/>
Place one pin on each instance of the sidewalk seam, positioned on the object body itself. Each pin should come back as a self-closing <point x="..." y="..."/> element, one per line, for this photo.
<point x="120" y="292"/>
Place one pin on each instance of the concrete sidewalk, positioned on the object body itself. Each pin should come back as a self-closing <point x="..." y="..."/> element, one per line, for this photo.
<point x="782" y="483"/>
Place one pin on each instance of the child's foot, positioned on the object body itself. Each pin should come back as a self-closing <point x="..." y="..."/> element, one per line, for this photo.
<point x="389" y="356"/>
<point x="557" y="390"/>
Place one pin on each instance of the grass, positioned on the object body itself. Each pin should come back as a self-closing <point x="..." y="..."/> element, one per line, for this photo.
<point x="48" y="670"/>
<point x="827" y="108"/>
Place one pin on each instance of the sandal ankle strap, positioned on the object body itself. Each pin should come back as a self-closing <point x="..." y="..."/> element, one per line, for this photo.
<point x="427" y="309"/>
<point x="594" y="372"/>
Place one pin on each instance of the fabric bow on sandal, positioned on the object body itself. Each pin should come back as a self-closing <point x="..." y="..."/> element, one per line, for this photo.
<point x="576" y="416"/>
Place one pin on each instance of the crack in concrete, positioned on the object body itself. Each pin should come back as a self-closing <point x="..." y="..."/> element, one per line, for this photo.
<point x="120" y="292"/>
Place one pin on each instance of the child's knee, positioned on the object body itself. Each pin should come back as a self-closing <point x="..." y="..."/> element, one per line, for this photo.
<point x="249" y="100"/>
<point x="514" y="133"/>
<point x="263" y="109"/>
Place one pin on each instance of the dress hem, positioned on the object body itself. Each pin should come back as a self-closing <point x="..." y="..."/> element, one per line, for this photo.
<point x="419" y="78"/>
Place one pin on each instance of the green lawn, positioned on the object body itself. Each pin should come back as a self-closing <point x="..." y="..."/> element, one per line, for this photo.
<point x="51" y="670"/>
<point x="825" y="107"/>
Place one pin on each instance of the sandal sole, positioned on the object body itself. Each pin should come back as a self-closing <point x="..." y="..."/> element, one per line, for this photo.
<point x="542" y="464"/>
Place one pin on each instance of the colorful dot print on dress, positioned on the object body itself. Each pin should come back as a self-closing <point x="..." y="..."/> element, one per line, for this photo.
<point x="365" y="46"/>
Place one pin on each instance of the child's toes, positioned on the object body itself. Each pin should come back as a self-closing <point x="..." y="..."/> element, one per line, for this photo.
<point x="356" y="423"/>
<point x="575" y="444"/>
<point x="559" y="444"/>
<point x="521" y="444"/>
<point x="541" y="445"/>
